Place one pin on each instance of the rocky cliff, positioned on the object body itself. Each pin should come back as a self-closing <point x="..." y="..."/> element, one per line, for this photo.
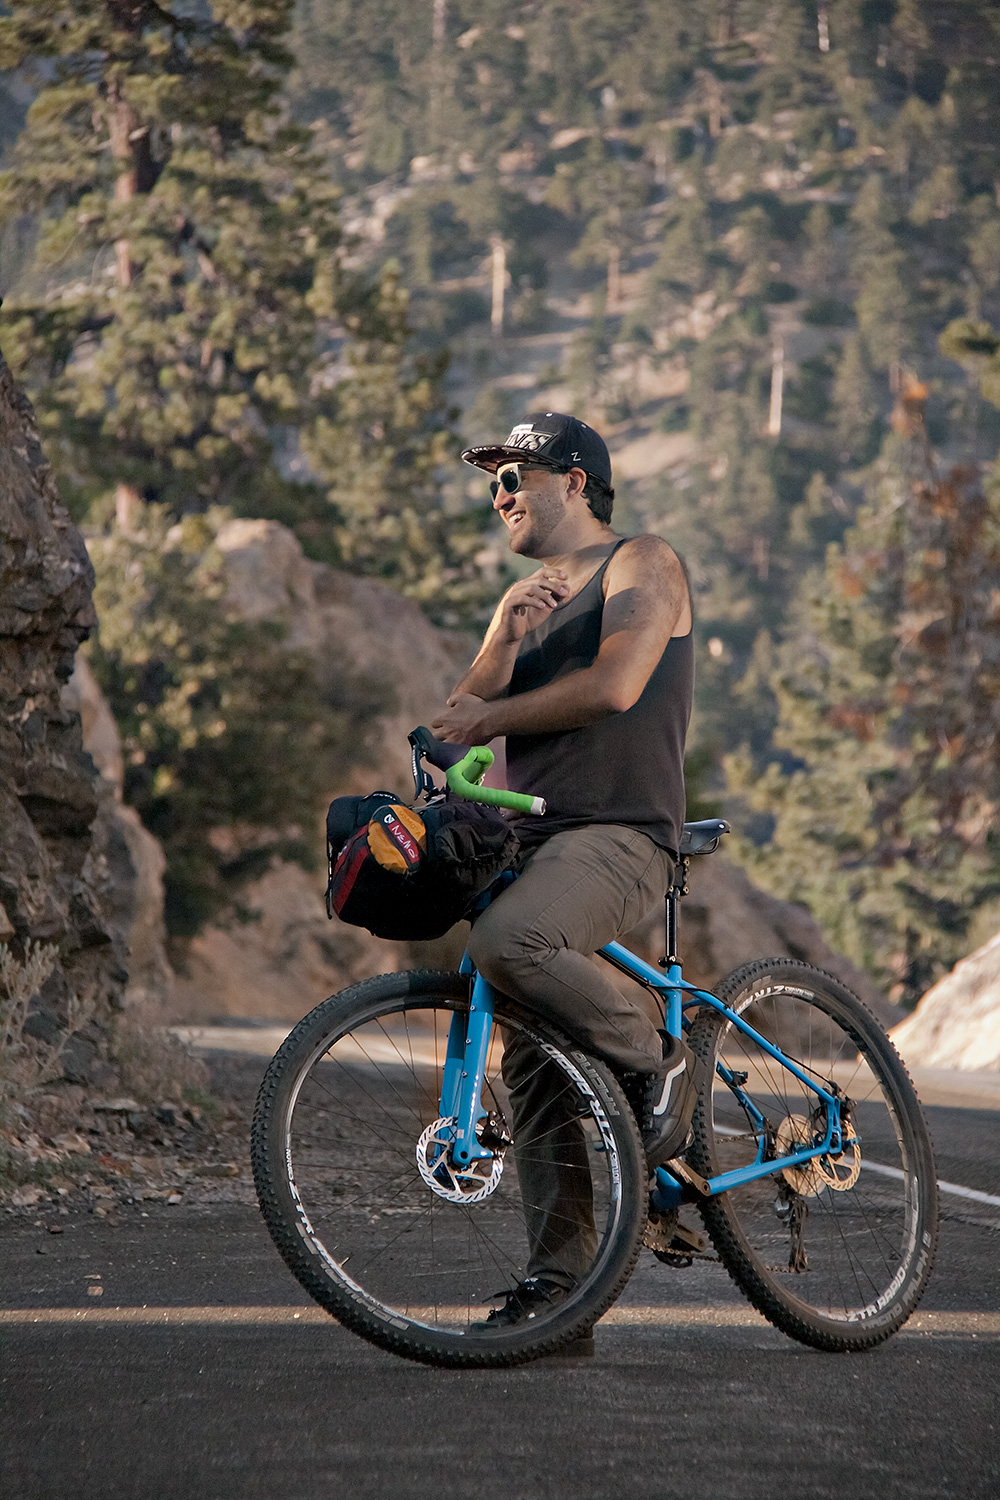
<point x="133" y="859"/>
<point x="55" y="870"/>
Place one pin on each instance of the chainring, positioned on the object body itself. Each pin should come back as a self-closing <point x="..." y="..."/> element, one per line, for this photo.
<point x="457" y="1184"/>
<point x="808" y="1180"/>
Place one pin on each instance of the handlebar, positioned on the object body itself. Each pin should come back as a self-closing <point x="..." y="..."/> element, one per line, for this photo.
<point x="463" y="780"/>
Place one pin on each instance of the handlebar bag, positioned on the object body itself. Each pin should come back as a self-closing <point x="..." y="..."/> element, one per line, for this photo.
<point x="409" y="875"/>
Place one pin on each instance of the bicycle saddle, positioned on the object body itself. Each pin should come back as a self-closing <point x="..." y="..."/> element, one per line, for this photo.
<point x="703" y="837"/>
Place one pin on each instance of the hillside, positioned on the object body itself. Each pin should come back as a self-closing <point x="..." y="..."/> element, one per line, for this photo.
<point x="732" y="236"/>
<point x="278" y="264"/>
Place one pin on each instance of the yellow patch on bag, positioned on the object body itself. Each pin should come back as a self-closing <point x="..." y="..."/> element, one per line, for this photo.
<point x="397" y="838"/>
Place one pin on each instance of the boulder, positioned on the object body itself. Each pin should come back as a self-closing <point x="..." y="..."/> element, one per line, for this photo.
<point x="410" y="664"/>
<point x="288" y="956"/>
<point x="131" y="861"/>
<point x="957" y="1022"/>
<point x="279" y="957"/>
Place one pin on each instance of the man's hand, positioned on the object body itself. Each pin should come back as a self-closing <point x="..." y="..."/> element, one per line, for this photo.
<point x="528" y="602"/>
<point x="467" y="720"/>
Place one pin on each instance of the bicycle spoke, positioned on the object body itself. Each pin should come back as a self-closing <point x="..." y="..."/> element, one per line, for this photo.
<point x="414" y="1242"/>
<point x="849" y="1238"/>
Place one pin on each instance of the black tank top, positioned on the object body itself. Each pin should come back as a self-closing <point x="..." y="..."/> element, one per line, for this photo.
<point x="627" y="768"/>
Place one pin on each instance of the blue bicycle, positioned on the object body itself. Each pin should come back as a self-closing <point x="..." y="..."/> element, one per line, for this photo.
<point x="390" y="1180"/>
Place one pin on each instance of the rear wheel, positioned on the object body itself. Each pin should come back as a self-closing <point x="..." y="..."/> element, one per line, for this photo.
<point x="837" y="1252"/>
<point x="399" y="1249"/>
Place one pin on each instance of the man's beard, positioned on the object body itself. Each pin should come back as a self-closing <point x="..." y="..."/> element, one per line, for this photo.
<point x="546" y="513"/>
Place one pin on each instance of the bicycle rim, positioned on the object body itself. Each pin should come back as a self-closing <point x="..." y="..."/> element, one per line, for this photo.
<point x="344" y="1156"/>
<point x="838" y="1252"/>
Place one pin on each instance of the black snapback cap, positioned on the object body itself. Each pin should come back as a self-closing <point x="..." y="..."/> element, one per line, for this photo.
<point x="548" y="437"/>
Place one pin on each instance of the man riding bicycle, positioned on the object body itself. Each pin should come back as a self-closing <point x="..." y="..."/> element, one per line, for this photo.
<point x="587" y="671"/>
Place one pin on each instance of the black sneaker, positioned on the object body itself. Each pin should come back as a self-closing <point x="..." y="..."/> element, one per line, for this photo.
<point x="523" y="1302"/>
<point x="669" y="1098"/>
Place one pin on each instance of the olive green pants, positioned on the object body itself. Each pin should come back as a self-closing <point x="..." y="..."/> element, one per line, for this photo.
<point x="579" y="890"/>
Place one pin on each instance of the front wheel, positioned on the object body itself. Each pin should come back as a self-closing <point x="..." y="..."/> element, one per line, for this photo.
<point x="837" y="1252"/>
<point x="354" y="1182"/>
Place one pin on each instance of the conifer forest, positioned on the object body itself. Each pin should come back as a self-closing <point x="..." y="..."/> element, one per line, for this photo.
<point x="282" y="260"/>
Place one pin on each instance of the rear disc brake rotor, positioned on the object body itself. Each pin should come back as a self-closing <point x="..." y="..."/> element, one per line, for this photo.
<point x="808" y="1180"/>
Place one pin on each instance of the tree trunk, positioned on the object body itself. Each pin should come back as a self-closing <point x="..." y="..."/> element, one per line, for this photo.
<point x="777" y="389"/>
<point x="614" y="278"/>
<point x="122" y="123"/>
<point x="823" y="28"/>
<point x="131" y="150"/>
<point x="499" y="275"/>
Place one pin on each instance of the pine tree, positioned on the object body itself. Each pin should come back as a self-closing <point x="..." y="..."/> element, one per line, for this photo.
<point x="185" y="247"/>
<point x="889" y="704"/>
<point x="189" y="304"/>
<point x="380" y="447"/>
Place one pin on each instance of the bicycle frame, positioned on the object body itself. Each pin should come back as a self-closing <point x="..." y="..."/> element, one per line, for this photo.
<point x="465" y="1064"/>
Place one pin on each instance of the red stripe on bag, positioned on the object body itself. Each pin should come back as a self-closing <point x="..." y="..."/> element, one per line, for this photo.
<point x="353" y="869"/>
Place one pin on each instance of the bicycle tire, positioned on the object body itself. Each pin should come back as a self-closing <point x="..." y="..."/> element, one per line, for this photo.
<point x="859" y="1254"/>
<point x="339" y="1114"/>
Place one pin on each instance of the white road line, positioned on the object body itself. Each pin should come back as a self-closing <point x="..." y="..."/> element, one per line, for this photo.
<point x="955" y="1188"/>
<point x="643" y="1316"/>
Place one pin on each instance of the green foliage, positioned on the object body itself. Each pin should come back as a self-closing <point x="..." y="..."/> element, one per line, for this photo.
<point x="380" y="446"/>
<point x="26" y="1063"/>
<point x="189" y="305"/>
<point x="230" y="737"/>
<point x="755" y="175"/>
<point x="885" y="810"/>
<point x="747" y="192"/>
<point x="185" y="247"/>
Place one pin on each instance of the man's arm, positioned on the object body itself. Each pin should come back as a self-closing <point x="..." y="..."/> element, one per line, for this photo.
<point x="646" y="600"/>
<point x="523" y="607"/>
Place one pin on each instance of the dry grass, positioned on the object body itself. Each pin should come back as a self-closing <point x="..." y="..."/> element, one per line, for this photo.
<point x="49" y="1125"/>
<point x="27" y="1064"/>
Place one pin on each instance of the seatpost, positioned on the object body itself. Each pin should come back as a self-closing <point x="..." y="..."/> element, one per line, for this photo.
<point x="678" y="889"/>
<point x="671" y="903"/>
<point x="672" y="963"/>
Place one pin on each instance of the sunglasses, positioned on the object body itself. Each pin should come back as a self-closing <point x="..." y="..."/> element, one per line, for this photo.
<point x="511" y="477"/>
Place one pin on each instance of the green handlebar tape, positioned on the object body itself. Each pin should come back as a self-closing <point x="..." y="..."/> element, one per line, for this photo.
<point x="464" y="780"/>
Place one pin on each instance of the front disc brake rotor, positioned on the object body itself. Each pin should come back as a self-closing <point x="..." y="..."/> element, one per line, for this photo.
<point x="468" y="1184"/>
<point x="808" y="1180"/>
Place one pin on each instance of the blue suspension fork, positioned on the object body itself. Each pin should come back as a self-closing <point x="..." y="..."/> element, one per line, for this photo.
<point x="464" y="1070"/>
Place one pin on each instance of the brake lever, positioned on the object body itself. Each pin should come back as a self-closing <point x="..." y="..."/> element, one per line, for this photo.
<point x="423" y="784"/>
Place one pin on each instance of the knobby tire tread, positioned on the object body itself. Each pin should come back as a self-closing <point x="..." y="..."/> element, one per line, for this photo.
<point x="744" y="1269"/>
<point x="290" y="1243"/>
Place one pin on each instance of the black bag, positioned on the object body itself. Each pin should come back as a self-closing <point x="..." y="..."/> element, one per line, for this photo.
<point x="412" y="875"/>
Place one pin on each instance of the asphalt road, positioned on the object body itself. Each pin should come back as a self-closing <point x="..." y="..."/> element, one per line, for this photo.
<point x="228" y="1395"/>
